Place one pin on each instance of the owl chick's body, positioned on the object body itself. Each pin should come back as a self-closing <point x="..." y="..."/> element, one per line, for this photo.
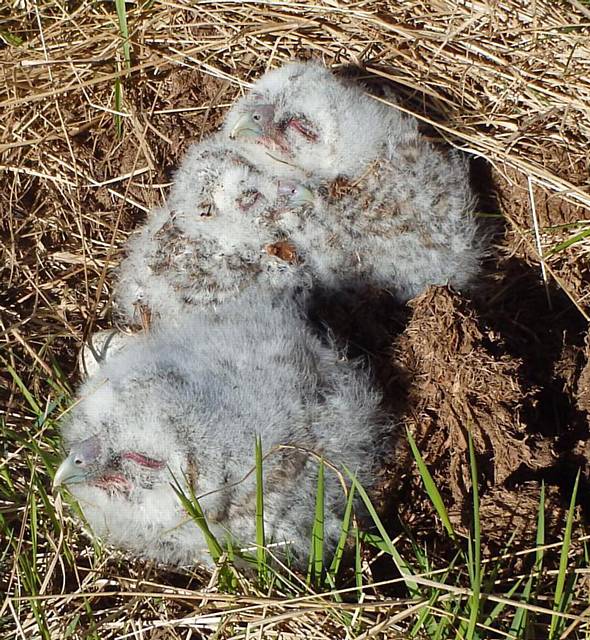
<point x="186" y="405"/>
<point x="385" y="207"/>
<point x="401" y="227"/>
<point x="216" y="237"/>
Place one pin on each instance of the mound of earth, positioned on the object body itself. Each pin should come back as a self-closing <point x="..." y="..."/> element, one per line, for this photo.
<point x="584" y="383"/>
<point x="457" y="379"/>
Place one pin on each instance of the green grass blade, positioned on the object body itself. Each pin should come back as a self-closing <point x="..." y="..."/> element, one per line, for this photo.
<point x="519" y="622"/>
<point x="59" y="382"/>
<point x="420" y="559"/>
<point x="436" y="626"/>
<point x="358" y="563"/>
<point x="10" y="39"/>
<point x="260" y="537"/>
<point x="118" y="106"/>
<point x="496" y="612"/>
<point x="124" y="31"/>
<point x="561" y="593"/>
<point x="402" y="566"/>
<point x="191" y="505"/>
<point x="474" y="549"/>
<point x="316" y="556"/>
<point x="578" y="237"/>
<point x="540" y="531"/>
<point x="344" y="530"/>
<point x="23" y="389"/>
<point x="374" y="540"/>
<point x="431" y="488"/>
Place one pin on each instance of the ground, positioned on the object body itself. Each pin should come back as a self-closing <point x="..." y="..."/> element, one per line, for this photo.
<point x="508" y="364"/>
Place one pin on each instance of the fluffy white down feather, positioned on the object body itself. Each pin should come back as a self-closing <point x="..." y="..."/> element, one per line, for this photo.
<point x="214" y="238"/>
<point x="188" y="403"/>
<point x="407" y="224"/>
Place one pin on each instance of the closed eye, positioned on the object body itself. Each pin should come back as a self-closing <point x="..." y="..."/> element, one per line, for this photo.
<point x="143" y="461"/>
<point x="303" y="126"/>
<point x="247" y="199"/>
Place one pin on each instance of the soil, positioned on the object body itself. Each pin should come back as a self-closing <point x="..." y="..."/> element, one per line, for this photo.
<point x="583" y="390"/>
<point x="460" y="380"/>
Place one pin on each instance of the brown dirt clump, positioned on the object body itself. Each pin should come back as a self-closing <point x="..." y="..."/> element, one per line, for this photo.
<point x="513" y="512"/>
<point x="459" y="380"/>
<point x="584" y="383"/>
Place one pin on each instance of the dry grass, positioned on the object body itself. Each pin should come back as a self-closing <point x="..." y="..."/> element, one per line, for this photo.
<point x="506" y="81"/>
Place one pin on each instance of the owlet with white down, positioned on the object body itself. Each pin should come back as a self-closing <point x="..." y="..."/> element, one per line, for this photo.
<point x="385" y="208"/>
<point x="216" y="237"/>
<point x="181" y="407"/>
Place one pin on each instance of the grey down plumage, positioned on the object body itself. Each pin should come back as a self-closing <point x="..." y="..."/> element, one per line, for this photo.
<point x="385" y="207"/>
<point x="186" y="405"/>
<point x="215" y="237"/>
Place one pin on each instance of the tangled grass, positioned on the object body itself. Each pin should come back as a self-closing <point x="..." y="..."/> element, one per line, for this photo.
<point x="98" y="103"/>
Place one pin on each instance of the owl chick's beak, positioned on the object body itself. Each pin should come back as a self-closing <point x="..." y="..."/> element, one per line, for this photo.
<point x="68" y="473"/>
<point x="246" y="127"/>
<point x="75" y="468"/>
<point x="254" y="123"/>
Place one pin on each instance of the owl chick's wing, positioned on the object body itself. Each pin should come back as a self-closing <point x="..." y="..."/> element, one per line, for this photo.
<point x="440" y="239"/>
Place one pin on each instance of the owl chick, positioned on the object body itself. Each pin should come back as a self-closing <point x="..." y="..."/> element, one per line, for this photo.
<point x="301" y="117"/>
<point x="407" y="223"/>
<point x="185" y="405"/>
<point x="216" y="237"/>
<point x="389" y="209"/>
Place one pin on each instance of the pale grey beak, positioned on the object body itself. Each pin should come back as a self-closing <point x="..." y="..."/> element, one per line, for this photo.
<point x="69" y="472"/>
<point x="77" y="466"/>
<point x="246" y="127"/>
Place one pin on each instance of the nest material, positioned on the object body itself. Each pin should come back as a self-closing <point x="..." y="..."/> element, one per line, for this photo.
<point x="505" y="81"/>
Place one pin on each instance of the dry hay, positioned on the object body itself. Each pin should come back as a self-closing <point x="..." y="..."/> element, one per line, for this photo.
<point x="507" y="82"/>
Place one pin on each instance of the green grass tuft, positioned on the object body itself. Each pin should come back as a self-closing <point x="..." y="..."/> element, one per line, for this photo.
<point x="126" y="48"/>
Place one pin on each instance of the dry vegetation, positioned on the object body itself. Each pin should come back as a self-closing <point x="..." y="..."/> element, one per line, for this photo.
<point x="88" y="140"/>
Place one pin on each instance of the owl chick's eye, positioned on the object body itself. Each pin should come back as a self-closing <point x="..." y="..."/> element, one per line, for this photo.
<point x="295" y="193"/>
<point x="302" y="125"/>
<point x="143" y="460"/>
<point x="247" y="199"/>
